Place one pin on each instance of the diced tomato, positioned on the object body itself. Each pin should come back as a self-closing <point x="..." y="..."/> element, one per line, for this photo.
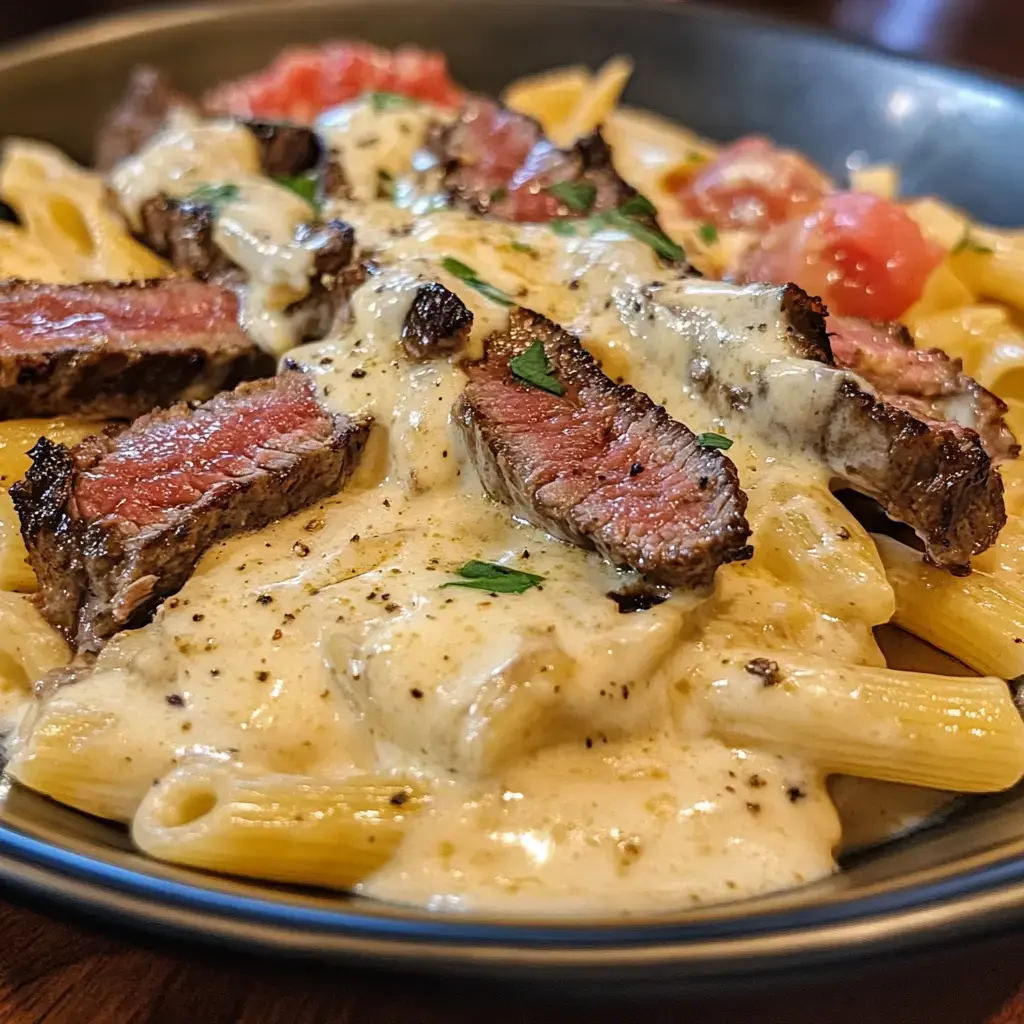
<point x="753" y="186"/>
<point x="302" y="82"/>
<point x="864" y="256"/>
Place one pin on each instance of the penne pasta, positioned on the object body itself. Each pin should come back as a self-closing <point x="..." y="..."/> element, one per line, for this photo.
<point x="979" y="619"/>
<point x="332" y="833"/>
<point x="943" y="732"/>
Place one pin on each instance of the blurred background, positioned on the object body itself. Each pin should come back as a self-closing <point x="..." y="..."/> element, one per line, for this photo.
<point x="986" y="33"/>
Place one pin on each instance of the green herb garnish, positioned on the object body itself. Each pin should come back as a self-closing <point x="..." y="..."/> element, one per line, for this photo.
<point x="523" y="247"/>
<point x="711" y="440"/>
<point x="579" y="196"/>
<point x="498" y="194"/>
<point x="638" y="206"/>
<point x="459" y="269"/>
<point x="708" y="234"/>
<point x="213" y="195"/>
<point x="382" y="101"/>
<point x="498" y="579"/>
<point x="654" y="237"/>
<point x="534" y="367"/>
<point x="302" y="185"/>
<point x="967" y="244"/>
<point x="562" y="227"/>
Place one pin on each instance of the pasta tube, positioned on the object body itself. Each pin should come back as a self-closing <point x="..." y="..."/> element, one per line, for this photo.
<point x="978" y="619"/>
<point x="286" y="828"/>
<point x="944" y="732"/>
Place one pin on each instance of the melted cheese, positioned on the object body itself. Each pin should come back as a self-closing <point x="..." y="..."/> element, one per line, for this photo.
<point x="567" y="776"/>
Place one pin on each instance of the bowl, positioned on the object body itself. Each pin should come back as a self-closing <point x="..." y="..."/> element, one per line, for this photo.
<point x="951" y="132"/>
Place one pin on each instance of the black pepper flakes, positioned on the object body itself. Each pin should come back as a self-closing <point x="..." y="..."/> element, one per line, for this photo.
<point x="756" y="782"/>
<point x="636" y="469"/>
<point x="198" y="617"/>
<point x="765" y="668"/>
<point x="175" y="700"/>
<point x="262" y="676"/>
<point x="795" y="794"/>
<point x="300" y="549"/>
<point x="754" y="808"/>
<point x="264" y="599"/>
<point x="399" y="798"/>
<point x="843" y="533"/>
<point x="391" y="607"/>
<point x="358" y="373"/>
<point x="417" y="693"/>
<point x="590" y="743"/>
<point x="276" y="635"/>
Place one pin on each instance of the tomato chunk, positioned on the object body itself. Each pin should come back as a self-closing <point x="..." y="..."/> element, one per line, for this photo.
<point x="753" y="185"/>
<point x="864" y="256"/>
<point x="301" y="82"/>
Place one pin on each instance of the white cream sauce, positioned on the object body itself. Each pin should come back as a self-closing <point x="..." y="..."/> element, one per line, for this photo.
<point x="255" y="224"/>
<point x="564" y="779"/>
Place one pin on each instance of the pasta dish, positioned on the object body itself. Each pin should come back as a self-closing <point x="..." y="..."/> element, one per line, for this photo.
<point x="519" y="505"/>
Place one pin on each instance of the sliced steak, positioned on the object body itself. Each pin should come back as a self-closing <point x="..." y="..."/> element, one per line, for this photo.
<point x="762" y="351"/>
<point x="118" y="522"/>
<point x="600" y="465"/>
<point x="181" y="230"/>
<point x="286" y="148"/>
<point x="141" y="112"/>
<point x="119" y="350"/>
<point x="437" y="324"/>
<point x="925" y="382"/>
<point x="499" y="162"/>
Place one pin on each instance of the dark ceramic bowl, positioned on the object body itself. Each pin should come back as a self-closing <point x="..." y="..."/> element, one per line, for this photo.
<point x="951" y="132"/>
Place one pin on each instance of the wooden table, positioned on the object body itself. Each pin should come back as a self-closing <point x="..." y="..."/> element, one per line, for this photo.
<point x="71" y="973"/>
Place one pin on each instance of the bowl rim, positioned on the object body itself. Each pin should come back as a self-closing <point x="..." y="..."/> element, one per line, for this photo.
<point x="919" y="915"/>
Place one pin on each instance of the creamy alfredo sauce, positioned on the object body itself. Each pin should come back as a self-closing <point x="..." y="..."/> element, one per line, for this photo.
<point x="573" y="768"/>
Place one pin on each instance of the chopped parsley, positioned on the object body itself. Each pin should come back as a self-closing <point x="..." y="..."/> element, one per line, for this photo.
<point x="638" y="206"/>
<point x="708" y="234"/>
<point x="490" y="576"/>
<point x="467" y="274"/>
<point x="302" y="185"/>
<point x="562" y="227"/>
<point x="213" y="195"/>
<point x="579" y="196"/>
<point x="382" y="101"/>
<point x="652" y="236"/>
<point x="523" y="247"/>
<point x="967" y="244"/>
<point x="711" y="440"/>
<point x="534" y="367"/>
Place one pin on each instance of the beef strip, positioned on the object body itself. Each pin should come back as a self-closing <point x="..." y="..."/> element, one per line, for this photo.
<point x="141" y="112"/>
<point x="925" y="382"/>
<point x="181" y="230"/>
<point x="119" y="350"/>
<point x="286" y="149"/>
<point x="499" y="162"/>
<point x="601" y="466"/>
<point x="118" y="522"/>
<point x="762" y="351"/>
<point x="437" y="324"/>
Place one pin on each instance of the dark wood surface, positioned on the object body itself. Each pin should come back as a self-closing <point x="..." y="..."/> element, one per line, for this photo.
<point x="64" y="972"/>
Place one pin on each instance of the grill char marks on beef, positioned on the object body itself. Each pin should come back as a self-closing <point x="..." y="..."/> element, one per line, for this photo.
<point x="141" y="112"/>
<point x="437" y="324"/>
<point x="286" y="148"/>
<point x="499" y="162"/>
<point x="119" y="350"/>
<point x="936" y="477"/>
<point x="118" y="522"/>
<point x="925" y="382"/>
<point x="569" y="463"/>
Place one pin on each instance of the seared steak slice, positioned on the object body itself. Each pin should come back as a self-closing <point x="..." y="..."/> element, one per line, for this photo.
<point x="499" y="162"/>
<point x="925" y="382"/>
<point x="119" y="350"/>
<point x="286" y="148"/>
<point x="118" y="522"/>
<point x="437" y="323"/>
<point x="181" y="230"/>
<point x="762" y="351"/>
<point x="600" y="465"/>
<point x="141" y="112"/>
